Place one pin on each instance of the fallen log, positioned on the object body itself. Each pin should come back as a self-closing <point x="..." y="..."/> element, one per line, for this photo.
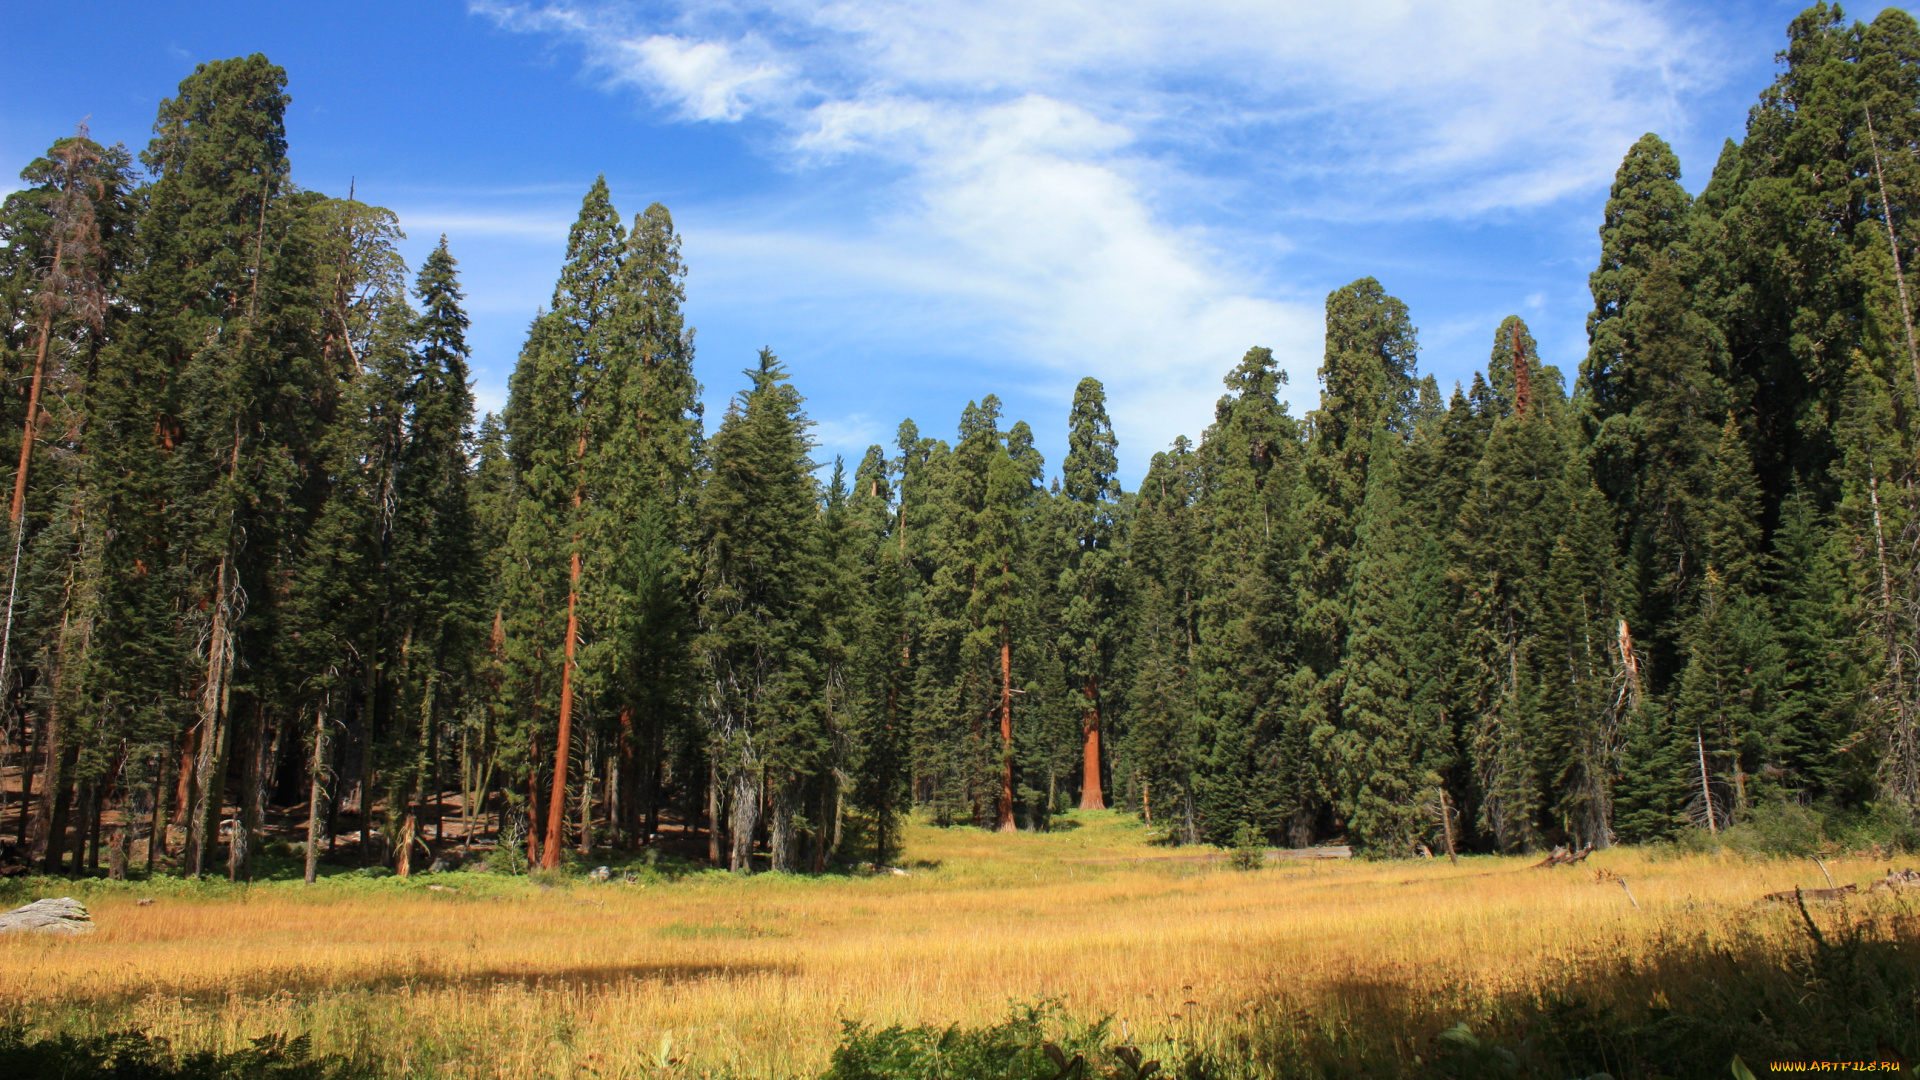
<point x="1840" y="893"/>
<point x="1560" y="856"/>
<point x="1896" y="880"/>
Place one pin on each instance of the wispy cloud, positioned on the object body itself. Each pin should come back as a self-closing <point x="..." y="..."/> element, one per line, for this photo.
<point x="429" y="220"/>
<point x="1043" y="158"/>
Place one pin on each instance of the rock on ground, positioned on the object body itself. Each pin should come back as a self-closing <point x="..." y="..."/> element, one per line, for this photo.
<point x="63" y="916"/>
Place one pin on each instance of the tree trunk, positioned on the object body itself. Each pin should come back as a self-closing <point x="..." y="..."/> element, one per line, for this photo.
<point x="183" y="790"/>
<point x="369" y="712"/>
<point x="59" y="791"/>
<point x="157" y="831"/>
<point x="557" y="811"/>
<point x="713" y="813"/>
<point x="19" y="505"/>
<point x="210" y="773"/>
<point x="1005" y="810"/>
<point x="746" y="817"/>
<point x="1091" y="797"/>
<point x="620" y="785"/>
<point x="411" y="828"/>
<point x="50" y="824"/>
<point x="26" y="781"/>
<point x="781" y="841"/>
<point x="27" y="433"/>
<point x="409" y="832"/>
<point x="96" y="812"/>
<point x="533" y="796"/>
<point x="557" y="804"/>
<point x="1706" y="790"/>
<point x="586" y="796"/>
<point x="257" y="748"/>
<point x="316" y="793"/>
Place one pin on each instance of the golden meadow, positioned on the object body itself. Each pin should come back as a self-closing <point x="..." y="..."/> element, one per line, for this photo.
<point x="477" y="975"/>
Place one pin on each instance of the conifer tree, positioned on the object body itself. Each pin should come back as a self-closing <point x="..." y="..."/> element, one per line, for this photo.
<point x="1590" y="687"/>
<point x="233" y="382"/>
<point x="1090" y="582"/>
<point x="1388" y="755"/>
<point x="880" y="742"/>
<point x="561" y="399"/>
<point x="432" y="554"/>
<point x="1257" y="771"/>
<point x="1166" y="541"/>
<point x="1508" y="525"/>
<point x="645" y="464"/>
<point x="1645" y="222"/>
<point x="760" y="683"/>
<point x="64" y="242"/>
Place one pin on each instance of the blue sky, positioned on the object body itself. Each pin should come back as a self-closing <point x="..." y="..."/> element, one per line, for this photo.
<point x="920" y="202"/>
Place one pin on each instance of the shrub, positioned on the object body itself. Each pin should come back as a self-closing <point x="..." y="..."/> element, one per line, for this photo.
<point x="1249" y="848"/>
<point x="133" y="1055"/>
<point x="1035" y="1042"/>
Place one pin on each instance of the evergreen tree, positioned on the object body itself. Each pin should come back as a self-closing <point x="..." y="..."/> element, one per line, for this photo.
<point x="1163" y="555"/>
<point x="1645" y="223"/>
<point x="760" y="680"/>
<point x="1090" y="581"/>
<point x="1508" y="525"/>
<point x="562" y="400"/>
<point x="1257" y="772"/>
<point x="1388" y="755"/>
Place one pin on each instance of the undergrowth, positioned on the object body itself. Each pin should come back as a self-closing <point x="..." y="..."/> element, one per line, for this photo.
<point x="131" y="1055"/>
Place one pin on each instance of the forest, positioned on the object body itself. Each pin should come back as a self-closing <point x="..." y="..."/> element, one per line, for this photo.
<point x="267" y="564"/>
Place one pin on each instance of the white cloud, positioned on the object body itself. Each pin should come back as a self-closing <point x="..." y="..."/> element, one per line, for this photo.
<point x="533" y="227"/>
<point x="705" y="78"/>
<point x="1035" y="148"/>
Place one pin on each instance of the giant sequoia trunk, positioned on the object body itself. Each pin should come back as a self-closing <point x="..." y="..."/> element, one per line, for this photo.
<point x="557" y="808"/>
<point x="1091" y="796"/>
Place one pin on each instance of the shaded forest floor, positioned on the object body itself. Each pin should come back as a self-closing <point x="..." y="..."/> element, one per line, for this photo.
<point x="490" y="975"/>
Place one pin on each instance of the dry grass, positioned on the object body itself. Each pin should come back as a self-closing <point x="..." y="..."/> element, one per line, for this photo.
<point x="505" y="978"/>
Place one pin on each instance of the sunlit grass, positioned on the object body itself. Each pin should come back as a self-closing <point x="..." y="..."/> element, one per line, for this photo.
<point x="754" y="975"/>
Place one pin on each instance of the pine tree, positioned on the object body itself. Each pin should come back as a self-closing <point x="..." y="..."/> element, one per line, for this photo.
<point x="1388" y="754"/>
<point x="1645" y="222"/>
<point x="646" y="463"/>
<point x="63" y="245"/>
<point x="233" y="379"/>
<point x="1588" y="671"/>
<point x="760" y="683"/>
<point x="1163" y="555"/>
<point x="432" y="556"/>
<point x="561" y="400"/>
<point x="1508" y="525"/>
<point x="1366" y="384"/>
<point x="1090" y="582"/>
<point x="1257" y="771"/>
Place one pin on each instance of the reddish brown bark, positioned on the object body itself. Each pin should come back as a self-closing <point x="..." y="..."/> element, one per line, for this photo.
<point x="183" y="789"/>
<point x="33" y="404"/>
<point x="557" y="802"/>
<point x="1091" y="797"/>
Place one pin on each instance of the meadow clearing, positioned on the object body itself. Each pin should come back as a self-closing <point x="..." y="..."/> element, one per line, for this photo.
<point x="477" y="975"/>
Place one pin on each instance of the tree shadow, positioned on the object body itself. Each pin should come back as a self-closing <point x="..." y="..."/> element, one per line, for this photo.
<point x="300" y="983"/>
